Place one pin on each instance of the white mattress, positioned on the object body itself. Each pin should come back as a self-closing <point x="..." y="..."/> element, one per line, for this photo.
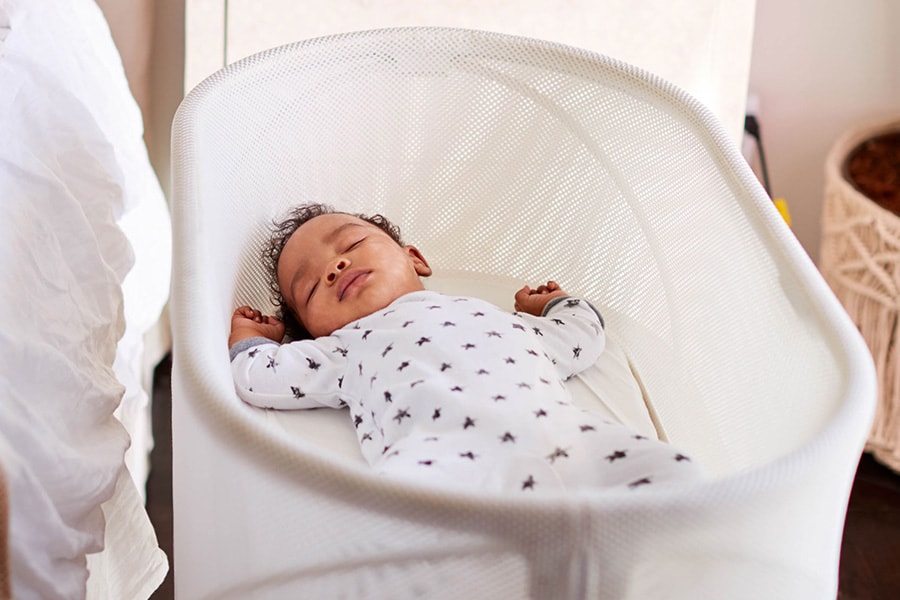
<point x="609" y="388"/>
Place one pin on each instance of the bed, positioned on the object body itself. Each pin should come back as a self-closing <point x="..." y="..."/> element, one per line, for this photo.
<point x="506" y="158"/>
<point x="85" y="249"/>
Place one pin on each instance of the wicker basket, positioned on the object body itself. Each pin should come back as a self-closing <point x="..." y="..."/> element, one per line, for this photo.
<point x="860" y="259"/>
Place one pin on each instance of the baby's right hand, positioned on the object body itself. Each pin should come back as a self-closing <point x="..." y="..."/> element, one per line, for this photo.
<point x="248" y="322"/>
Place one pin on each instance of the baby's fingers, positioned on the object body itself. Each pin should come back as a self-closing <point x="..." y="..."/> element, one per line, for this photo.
<point x="248" y="313"/>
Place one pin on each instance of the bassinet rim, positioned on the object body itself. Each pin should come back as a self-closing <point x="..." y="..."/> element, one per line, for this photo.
<point x="422" y="502"/>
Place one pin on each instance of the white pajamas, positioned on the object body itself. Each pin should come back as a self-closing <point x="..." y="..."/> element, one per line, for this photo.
<point x="455" y="391"/>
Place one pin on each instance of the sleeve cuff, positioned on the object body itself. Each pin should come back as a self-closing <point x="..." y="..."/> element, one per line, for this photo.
<point x="248" y="343"/>
<point x="556" y="301"/>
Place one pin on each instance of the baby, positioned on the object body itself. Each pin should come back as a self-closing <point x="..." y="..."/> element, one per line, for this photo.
<point x="440" y="389"/>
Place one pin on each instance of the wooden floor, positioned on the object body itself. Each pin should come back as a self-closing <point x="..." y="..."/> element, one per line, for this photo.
<point x="870" y="555"/>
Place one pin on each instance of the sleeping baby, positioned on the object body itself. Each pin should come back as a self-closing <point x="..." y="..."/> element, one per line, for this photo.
<point x="440" y="389"/>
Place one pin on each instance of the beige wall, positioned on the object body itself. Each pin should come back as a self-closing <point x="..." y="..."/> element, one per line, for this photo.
<point x="820" y="67"/>
<point x="150" y="37"/>
<point x="702" y="46"/>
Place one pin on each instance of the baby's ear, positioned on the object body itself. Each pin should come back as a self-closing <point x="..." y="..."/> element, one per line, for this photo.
<point x="418" y="261"/>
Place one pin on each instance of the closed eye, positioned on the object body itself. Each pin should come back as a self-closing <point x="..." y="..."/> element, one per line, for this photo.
<point x="311" y="292"/>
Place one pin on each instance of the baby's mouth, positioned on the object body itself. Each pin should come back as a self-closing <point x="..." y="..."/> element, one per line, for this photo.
<point x="350" y="281"/>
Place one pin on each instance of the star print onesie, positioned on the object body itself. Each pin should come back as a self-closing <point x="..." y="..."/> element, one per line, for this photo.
<point x="455" y="391"/>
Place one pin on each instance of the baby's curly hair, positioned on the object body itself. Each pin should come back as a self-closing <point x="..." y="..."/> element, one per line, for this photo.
<point x="281" y="232"/>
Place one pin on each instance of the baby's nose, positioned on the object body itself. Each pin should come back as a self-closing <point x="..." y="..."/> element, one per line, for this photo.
<point x="336" y="268"/>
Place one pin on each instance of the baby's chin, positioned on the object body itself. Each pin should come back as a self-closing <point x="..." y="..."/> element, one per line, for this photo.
<point x="366" y="306"/>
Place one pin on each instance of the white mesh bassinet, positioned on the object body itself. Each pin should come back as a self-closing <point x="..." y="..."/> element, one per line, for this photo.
<point x="521" y="159"/>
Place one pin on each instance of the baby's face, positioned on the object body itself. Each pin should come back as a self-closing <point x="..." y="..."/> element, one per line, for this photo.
<point x="337" y="268"/>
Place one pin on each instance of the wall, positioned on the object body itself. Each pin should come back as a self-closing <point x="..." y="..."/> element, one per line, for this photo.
<point x="820" y="67"/>
<point x="149" y="35"/>
<point x="702" y="46"/>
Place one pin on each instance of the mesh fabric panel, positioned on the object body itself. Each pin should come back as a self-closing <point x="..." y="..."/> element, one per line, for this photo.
<point x="501" y="155"/>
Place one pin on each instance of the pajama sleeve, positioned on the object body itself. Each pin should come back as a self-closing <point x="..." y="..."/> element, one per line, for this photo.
<point x="302" y="374"/>
<point x="571" y="331"/>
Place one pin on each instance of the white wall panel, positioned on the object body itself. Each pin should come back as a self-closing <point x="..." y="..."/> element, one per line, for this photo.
<point x="704" y="46"/>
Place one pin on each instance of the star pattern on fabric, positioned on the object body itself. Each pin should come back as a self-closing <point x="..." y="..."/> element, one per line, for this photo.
<point x="557" y="453"/>
<point x="617" y="455"/>
<point x="639" y="482"/>
<point x="454" y="364"/>
<point x="402" y="413"/>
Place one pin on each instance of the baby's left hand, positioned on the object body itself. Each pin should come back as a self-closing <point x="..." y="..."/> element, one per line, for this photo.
<point x="533" y="301"/>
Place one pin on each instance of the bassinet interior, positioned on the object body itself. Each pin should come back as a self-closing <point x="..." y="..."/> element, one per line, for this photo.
<point x="526" y="166"/>
<point x="511" y="158"/>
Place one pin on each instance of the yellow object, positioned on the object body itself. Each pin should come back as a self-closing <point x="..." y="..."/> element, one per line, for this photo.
<point x="781" y="205"/>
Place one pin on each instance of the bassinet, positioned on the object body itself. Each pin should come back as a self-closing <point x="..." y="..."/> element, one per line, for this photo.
<point x="504" y="156"/>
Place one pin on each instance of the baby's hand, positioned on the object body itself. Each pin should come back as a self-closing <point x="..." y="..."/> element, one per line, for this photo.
<point x="248" y="322"/>
<point x="533" y="301"/>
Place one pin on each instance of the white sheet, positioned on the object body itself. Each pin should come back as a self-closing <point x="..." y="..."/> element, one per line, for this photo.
<point x="83" y="220"/>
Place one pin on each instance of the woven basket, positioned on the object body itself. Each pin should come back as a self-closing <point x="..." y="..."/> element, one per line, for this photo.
<point x="860" y="259"/>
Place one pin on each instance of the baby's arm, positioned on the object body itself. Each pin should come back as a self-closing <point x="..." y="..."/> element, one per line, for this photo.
<point x="268" y="374"/>
<point x="570" y="329"/>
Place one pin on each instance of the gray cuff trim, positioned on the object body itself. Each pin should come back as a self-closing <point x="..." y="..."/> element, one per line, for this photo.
<point x="248" y="343"/>
<point x="556" y="301"/>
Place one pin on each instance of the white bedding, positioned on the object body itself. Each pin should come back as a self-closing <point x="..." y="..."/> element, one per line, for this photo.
<point x="609" y="387"/>
<point x="85" y="249"/>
